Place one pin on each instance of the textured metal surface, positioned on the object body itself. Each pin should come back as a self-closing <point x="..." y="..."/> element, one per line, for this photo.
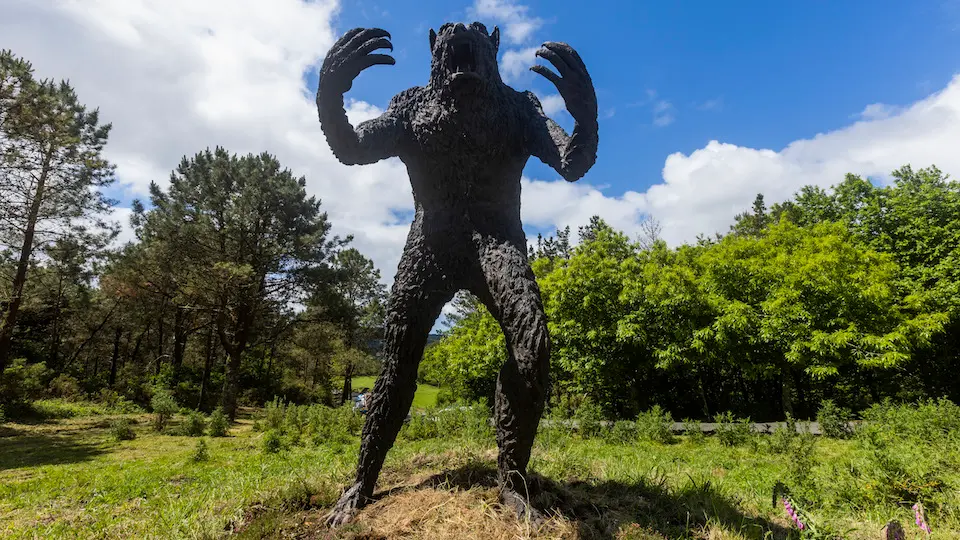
<point x="464" y="138"/>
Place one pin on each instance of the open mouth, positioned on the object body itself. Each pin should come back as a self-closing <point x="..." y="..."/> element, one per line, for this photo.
<point x="463" y="60"/>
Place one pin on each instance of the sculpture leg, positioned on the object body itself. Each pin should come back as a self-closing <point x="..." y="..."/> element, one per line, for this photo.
<point x="513" y="296"/>
<point x="416" y="299"/>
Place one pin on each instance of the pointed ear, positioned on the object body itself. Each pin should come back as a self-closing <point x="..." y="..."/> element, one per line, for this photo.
<point x="433" y="38"/>
<point x="495" y="37"/>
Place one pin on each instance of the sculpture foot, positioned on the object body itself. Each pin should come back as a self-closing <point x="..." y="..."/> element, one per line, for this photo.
<point x="524" y="509"/>
<point x="347" y="507"/>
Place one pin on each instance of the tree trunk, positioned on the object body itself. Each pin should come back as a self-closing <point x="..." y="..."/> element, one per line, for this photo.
<point x="20" y="278"/>
<point x="786" y="391"/>
<point x="115" y="356"/>
<point x="55" y="332"/>
<point x="231" y="383"/>
<point x="179" y="343"/>
<point x="207" y="366"/>
<point x="347" y="383"/>
<point x="136" y="346"/>
<point x="93" y="334"/>
<point x="160" y="338"/>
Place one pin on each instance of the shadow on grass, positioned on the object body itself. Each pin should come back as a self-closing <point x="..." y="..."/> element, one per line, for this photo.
<point x="25" y="449"/>
<point x="611" y="509"/>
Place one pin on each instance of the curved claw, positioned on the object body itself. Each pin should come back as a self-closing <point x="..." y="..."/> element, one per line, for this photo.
<point x="568" y="53"/>
<point x="374" y="44"/>
<point x="347" y="36"/>
<point x="555" y="59"/>
<point x="373" y="59"/>
<point x="545" y="71"/>
<point x="365" y="35"/>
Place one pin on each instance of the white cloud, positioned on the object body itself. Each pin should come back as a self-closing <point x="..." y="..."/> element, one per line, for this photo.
<point x="176" y="77"/>
<point x="878" y="111"/>
<point x="516" y="62"/>
<point x="703" y="190"/>
<point x="714" y="104"/>
<point x="700" y="192"/>
<point x="518" y="24"/>
<point x="552" y="104"/>
<point x="663" y="113"/>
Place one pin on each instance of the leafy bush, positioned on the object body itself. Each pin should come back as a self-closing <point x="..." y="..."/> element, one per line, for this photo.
<point x="200" y="453"/>
<point x="834" y="421"/>
<point x="782" y="439"/>
<point x="654" y="425"/>
<point x="21" y="382"/>
<point x="219" y="423"/>
<point x="421" y="426"/>
<point x="693" y="431"/>
<point x="468" y="420"/>
<point x="802" y="460"/>
<point x="274" y="414"/>
<point x="913" y="450"/>
<point x="164" y="407"/>
<point x="194" y="425"/>
<point x="732" y="431"/>
<point x="121" y="429"/>
<point x="65" y="387"/>
<point x="589" y="417"/>
<point x="623" y="432"/>
<point x="118" y="403"/>
<point x="272" y="441"/>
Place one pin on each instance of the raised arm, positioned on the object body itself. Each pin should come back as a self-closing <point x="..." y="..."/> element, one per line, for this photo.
<point x="374" y="139"/>
<point x="571" y="156"/>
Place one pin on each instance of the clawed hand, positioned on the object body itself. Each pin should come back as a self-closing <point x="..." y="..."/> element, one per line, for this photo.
<point x="351" y="54"/>
<point x="574" y="82"/>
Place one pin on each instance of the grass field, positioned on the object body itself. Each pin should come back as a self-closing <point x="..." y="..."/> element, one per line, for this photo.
<point x="425" y="397"/>
<point x="68" y="478"/>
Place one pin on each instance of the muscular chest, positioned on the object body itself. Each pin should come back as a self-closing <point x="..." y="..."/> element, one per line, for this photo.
<point x="481" y="133"/>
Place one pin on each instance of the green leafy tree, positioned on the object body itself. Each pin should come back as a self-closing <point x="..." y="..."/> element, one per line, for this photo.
<point x="52" y="172"/>
<point x="250" y="243"/>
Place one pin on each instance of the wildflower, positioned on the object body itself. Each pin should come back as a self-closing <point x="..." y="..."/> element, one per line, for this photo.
<point x="792" y="513"/>
<point x="918" y="513"/>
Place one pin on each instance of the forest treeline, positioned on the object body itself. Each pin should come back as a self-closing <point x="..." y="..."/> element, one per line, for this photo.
<point x="850" y="294"/>
<point x="232" y="291"/>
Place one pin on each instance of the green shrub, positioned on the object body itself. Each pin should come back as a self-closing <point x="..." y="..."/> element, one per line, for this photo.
<point x="219" y="423"/>
<point x="732" y="431"/>
<point x="274" y="414"/>
<point x="200" y="453"/>
<point x="693" y="431"/>
<point x="272" y="441"/>
<point x="834" y="421"/>
<point x="164" y="407"/>
<point x="589" y="417"/>
<point x="121" y="429"/>
<point x="801" y="460"/>
<point x="420" y="427"/>
<point x="623" y="432"/>
<point x="194" y="425"/>
<point x="65" y="387"/>
<point x="912" y="450"/>
<point x="654" y="425"/>
<point x="781" y="441"/>
<point x="21" y="382"/>
<point x="58" y="408"/>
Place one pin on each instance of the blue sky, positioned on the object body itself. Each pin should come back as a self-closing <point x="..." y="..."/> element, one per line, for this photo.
<point x="758" y="74"/>
<point x="703" y="104"/>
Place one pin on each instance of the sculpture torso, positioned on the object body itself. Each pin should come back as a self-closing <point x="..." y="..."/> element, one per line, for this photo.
<point x="465" y="157"/>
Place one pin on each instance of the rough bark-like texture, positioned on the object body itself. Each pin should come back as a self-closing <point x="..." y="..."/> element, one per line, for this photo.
<point x="464" y="138"/>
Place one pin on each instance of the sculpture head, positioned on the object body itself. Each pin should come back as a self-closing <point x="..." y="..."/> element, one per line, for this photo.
<point x="464" y="58"/>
